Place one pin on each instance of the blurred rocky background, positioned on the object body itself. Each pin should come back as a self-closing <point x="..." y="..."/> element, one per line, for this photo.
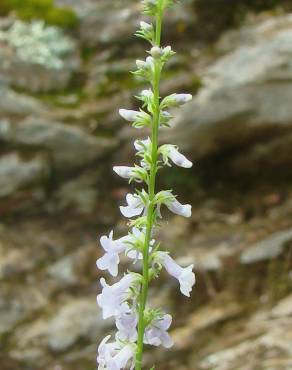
<point x="64" y="72"/>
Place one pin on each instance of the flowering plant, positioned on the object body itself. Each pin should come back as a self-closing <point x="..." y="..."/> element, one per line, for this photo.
<point x="126" y="301"/>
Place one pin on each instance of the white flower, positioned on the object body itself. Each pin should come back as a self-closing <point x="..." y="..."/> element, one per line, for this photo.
<point x="110" y="260"/>
<point x="176" y="100"/>
<point x="127" y="327"/>
<point x="147" y="93"/>
<point x="124" y="171"/>
<point x="166" y="197"/>
<point x="182" y="98"/>
<point x="121" y="359"/>
<point x="184" y="275"/>
<point x="114" y="356"/>
<point x="105" y="352"/>
<point x="134" y="208"/>
<point x="129" y="115"/>
<point x="176" y="207"/>
<point x="148" y="64"/>
<point x="156" y="52"/>
<point x="140" y="145"/>
<point x="156" y="333"/>
<point x="170" y="151"/>
<point x="112" y="299"/>
<point x="146" y="26"/>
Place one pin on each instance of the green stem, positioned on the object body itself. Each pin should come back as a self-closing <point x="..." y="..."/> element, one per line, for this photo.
<point x="151" y="191"/>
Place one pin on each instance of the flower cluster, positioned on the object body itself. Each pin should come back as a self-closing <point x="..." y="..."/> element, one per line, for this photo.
<point x="126" y="300"/>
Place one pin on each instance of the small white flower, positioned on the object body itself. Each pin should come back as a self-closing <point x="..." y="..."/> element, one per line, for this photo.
<point x="156" y="52"/>
<point x="110" y="260"/>
<point x="148" y="64"/>
<point x="176" y="207"/>
<point x="182" y="98"/>
<point x="171" y="152"/>
<point x="134" y="208"/>
<point x="147" y="93"/>
<point x="166" y="197"/>
<point x="127" y="327"/>
<point x="114" y="356"/>
<point x="175" y="100"/>
<point x="124" y="171"/>
<point x="105" y="352"/>
<point x="167" y="52"/>
<point x="184" y="275"/>
<point x="140" y="145"/>
<point x="146" y="26"/>
<point x="140" y="64"/>
<point x="156" y="333"/>
<point x="129" y="115"/>
<point x="112" y="299"/>
<point x="121" y="359"/>
<point x="178" y="158"/>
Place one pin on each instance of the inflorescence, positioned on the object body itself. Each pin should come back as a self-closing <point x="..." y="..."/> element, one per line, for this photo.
<point x="126" y="301"/>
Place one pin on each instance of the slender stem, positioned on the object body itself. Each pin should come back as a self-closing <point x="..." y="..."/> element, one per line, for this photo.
<point x="151" y="192"/>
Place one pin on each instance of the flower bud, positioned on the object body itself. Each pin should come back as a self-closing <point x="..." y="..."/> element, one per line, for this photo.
<point x="146" y="26"/>
<point x="140" y="64"/>
<point x="156" y="52"/>
<point x="128" y="115"/>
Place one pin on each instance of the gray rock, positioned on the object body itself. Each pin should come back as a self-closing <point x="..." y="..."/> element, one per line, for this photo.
<point x="76" y="320"/>
<point x="16" y="104"/>
<point x="68" y="146"/>
<point x="17" y="172"/>
<point x="246" y="93"/>
<point x="283" y="308"/>
<point x="79" y="194"/>
<point x="267" y="249"/>
<point x="119" y="20"/>
<point x="75" y="269"/>
<point x="18" y="305"/>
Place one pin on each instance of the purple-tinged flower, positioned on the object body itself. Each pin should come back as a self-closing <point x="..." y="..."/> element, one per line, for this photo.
<point x="110" y="260"/>
<point x="176" y="207"/>
<point x="122" y="358"/>
<point x="140" y="145"/>
<point x="127" y="327"/>
<point x="182" y="98"/>
<point x="134" y="208"/>
<point x="147" y="65"/>
<point x="124" y="171"/>
<point x="146" y="26"/>
<point x="171" y="152"/>
<point x="105" y="352"/>
<point x="129" y="115"/>
<point x="175" y="100"/>
<point x="112" y="299"/>
<point x="156" y="52"/>
<point x="148" y="94"/>
<point x="114" y="356"/>
<point x="156" y="333"/>
<point x="184" y="275"/>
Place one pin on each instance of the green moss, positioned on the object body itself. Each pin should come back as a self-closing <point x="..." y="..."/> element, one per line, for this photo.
<point x="28" y="10"/>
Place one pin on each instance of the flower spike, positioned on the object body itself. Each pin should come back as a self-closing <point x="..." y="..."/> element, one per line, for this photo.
<point x="127" y="299"/>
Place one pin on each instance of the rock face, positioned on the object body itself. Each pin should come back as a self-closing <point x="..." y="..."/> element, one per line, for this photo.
<point x="17" y="173"/>
<point x="246" y="94"/>
<point x="117" y="22"/>
<point x="16" y="104"/>
<point x="58" y="139"/>
<point x="44" y="60"/>
<point x="267" y="249"/>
